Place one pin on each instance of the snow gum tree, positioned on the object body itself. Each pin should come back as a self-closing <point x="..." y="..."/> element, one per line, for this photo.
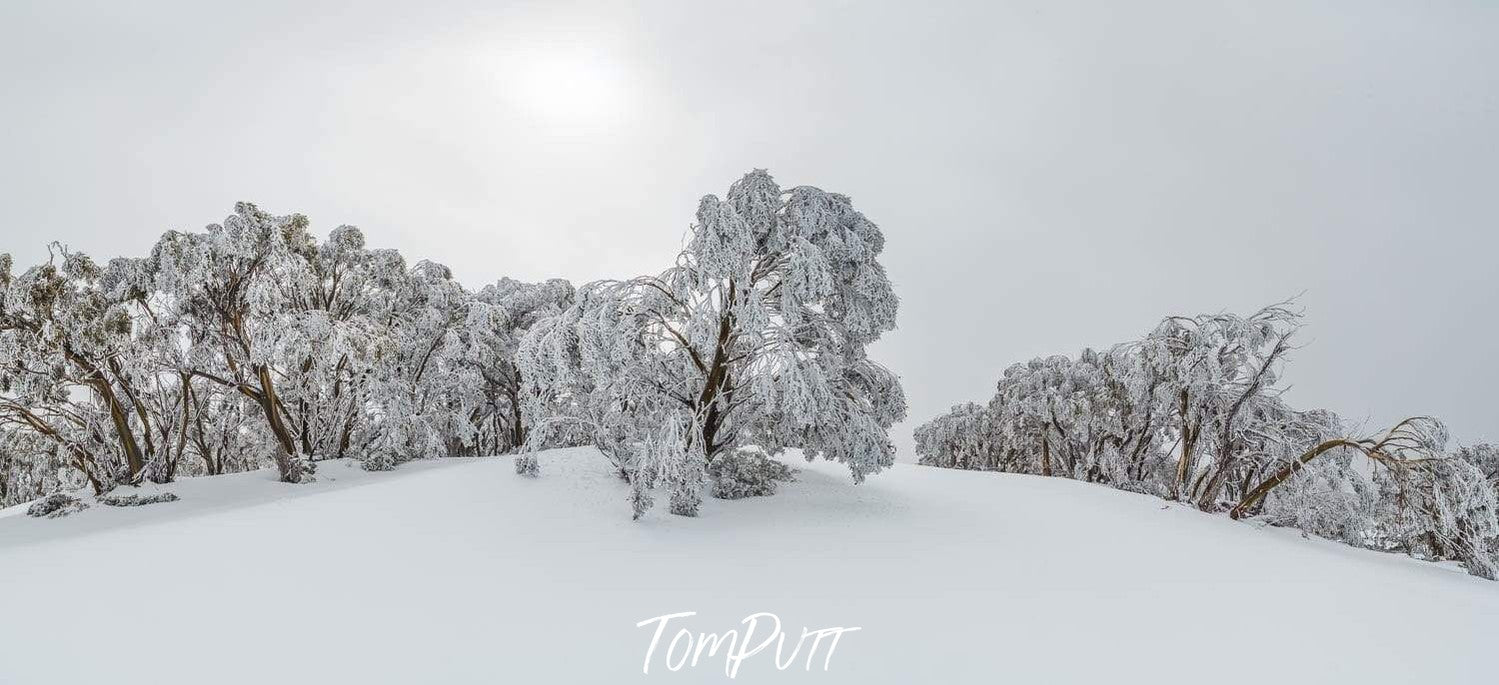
<point x="1193" y="411"/>
<point x="1483" y="456"/>
<point x="505" y="311"/>
<point x="31" y="466"/>
<point x="961" y="439"/>
<point x="1212" y="369"/>
<point x="756" y="336"/>
<point x="68" y="367"/>
<point x="254" y="342"/>
<point x="234" y="290"/>
<point x="418" y="396"/>
<point x="329" y="338"/>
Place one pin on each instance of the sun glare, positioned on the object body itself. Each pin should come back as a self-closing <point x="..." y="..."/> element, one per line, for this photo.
<point x="565" y="90"/>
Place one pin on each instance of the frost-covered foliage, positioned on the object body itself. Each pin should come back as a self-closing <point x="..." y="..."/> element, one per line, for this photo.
<point x="32" y="466"/>
<point x="1331" y="497"/>
<point x="737" y="474"/>
<point x="963" y="438"/>
<point x="71" y="368"/>
<point x="255" y="342"/>
<point x="56" y="505"/>
<point x="1443" y="508"/>
<point x="1192" y="411"/>
<point x="505" y="311"/>
<point x="136" y="500"/>
<point x="419" y="392"/>
<point x="1160" y="409"/>
<point x="240" y="292"/>
<point x="756" y="336"/>
<point x="249" y="343"/>
<point x="1483" y="456"/>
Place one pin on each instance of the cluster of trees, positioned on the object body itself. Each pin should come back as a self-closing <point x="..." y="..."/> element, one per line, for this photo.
<point x="255" y="343"/>
<point x="251" y="343"/>
<point x="1193" y="411"/>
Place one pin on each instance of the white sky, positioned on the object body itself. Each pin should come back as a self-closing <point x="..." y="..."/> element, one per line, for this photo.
<point x="1048" y="175"/>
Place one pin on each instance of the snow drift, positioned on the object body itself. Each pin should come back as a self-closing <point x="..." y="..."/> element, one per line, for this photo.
<point x="456" y="570"/>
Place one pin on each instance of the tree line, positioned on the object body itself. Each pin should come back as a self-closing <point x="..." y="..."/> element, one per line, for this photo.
<point x="255" y="343"/>
<point x="251" y="343"/>
<point x="1193" y="412"/>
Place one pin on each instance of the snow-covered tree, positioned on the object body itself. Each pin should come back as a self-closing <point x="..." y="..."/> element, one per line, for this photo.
<point x="346" y="350"/>
<point x="960" y="439"/>
<point x="235" y="289"/>
<point x="1332" y="497"/>
<point x="1090" y="418"/>
<point x="1453" y="514"/>
<point x="1485" y="457"/>
<point x="32" y="466"/>
<point x="1211" y="369"/>
<point x="221" y="434"/>
<point x="1042" y="409"/>
<point x="756" y="336"/>
<point x="70" y="367"/>
<point x="418" y="392"/>
<point x="328" y="338"/>
<point x="508" y="310"/>
<point x="1192" y="411"/>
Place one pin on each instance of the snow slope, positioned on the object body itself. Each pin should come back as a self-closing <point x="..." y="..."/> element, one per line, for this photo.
<point x="459" y="571"/>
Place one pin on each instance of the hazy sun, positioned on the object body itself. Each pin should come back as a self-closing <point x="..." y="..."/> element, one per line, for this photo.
<point x="574" y="89"/>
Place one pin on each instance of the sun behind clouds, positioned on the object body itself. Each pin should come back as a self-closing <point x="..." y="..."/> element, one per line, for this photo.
<point x="565" y="88"/>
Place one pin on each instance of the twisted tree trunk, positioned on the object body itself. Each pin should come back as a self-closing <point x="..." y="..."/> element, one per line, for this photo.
<point x="1258" y="493"/>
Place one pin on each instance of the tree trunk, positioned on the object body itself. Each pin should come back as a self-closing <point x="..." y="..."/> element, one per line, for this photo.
<point x="288" y="461"/>
<point x="1254" y="496"/>
<point x="134" y="461"/>
<point x="1045" y="455"/>
<point x="716" y="383"/>
<point x="1188" y="455"/>
<point x="1226" y="461"/>
<point x="517" y="423"/>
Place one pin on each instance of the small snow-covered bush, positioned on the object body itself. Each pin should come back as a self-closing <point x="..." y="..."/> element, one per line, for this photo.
<point x="137" y="500"/>
<point x="738" y="474"/>
<point x="56" y="505"/>
<point x="526" y="464"/>
<point x="378" y="461"/>
<point x="1143" y="487"/>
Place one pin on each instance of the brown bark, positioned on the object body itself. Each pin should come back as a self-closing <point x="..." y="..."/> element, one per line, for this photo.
<point x="82" y="460"/>
<point x="517" y="423"/>
<point x="286" y="461"/>
<point x="1045" y="455"/>
<point x="1189" y="444"/>
<point x="210" y="465"/>
<point x="135" y="463"/>
<point x="1256" y="495"/>
<point x="716" y="382"/>
<point x="1227" y="457"/>
<point x="186" y="419"/>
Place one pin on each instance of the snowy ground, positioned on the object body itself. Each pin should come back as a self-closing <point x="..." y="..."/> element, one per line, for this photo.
<point x="460" y="571"/>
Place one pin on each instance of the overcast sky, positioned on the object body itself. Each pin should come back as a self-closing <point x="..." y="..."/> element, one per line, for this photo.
<point x="1049" y="175"/>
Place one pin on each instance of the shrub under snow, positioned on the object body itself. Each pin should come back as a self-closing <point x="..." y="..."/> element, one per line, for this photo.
<point x="56" y="505"/>
<point x="738" y="474"/>
<point x="137" y="500"/>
